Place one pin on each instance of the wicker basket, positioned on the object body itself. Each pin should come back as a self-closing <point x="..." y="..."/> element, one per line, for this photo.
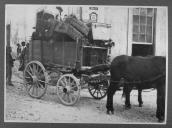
<point x="77" y="24"/>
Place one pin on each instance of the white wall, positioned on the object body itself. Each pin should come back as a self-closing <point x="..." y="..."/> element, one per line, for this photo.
<point x="161" y="38"/>
<point x="118" y="18"/>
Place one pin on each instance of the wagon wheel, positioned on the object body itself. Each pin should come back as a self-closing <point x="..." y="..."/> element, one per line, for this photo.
<point x="35" y="79"/>
<point x="98" y="91"/>
<point x="68" y="89"/>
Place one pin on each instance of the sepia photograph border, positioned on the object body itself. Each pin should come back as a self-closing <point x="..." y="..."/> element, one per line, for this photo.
<point x="81" y="2"/>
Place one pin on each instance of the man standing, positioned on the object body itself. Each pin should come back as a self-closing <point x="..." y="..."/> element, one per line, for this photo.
<point x="18" y="50"/>
<point x="22" y="56"/>
<point x="9" y="65"/>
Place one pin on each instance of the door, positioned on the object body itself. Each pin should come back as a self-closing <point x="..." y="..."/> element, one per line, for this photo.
<point x="141" y="31"/>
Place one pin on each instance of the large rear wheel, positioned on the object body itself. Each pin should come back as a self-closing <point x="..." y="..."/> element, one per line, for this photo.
<point x="35" y="78"/>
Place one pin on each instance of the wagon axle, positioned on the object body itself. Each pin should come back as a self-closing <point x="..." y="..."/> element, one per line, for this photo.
<point x="67" y="89"/>
<point x="34" y="79"/>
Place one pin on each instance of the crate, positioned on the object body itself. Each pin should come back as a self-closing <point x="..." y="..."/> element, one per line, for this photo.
<point x="101" y="31"/>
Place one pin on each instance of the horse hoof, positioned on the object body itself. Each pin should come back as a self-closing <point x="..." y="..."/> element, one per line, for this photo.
<point x="161" y="119"/>
<point x="110" y="112"/>
<point x="140" y="105"/>
<point x="127" y="107"/>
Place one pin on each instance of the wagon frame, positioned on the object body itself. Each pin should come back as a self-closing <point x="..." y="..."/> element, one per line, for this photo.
<point x="45" y="55"/>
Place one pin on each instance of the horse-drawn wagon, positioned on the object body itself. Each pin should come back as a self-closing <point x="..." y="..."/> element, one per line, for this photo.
<point x="71" y="49"/>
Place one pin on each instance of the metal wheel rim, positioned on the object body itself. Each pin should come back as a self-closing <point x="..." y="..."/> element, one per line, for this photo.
<point x="35" y="78"/>
<point x="68" y="89"/>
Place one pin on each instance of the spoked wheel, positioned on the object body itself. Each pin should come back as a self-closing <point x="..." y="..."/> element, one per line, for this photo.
<point x="98" y="91"/>
<point x="35" y="79"/>
<point x="68" y="89"/>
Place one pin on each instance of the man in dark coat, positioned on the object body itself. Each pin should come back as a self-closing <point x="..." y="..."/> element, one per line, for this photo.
<point x="9" y="65"/>
<point x="22" y="56"/>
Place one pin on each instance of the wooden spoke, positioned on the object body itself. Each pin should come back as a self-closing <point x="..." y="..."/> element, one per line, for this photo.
<point x="64" y="96"/>
<point x="37" y="68"/>
<point x="100" y="93"/>
<point x="28" y="77"/>
<point x="41" y="81"/>
<point x="36" y="87"/>
<point x="70" y="98"/>
<point x="94" y="92"/>
<point x="65" y="81"/>
<point x="34" y="69"/>
<point x="97" y="93"/>
<point x="63" y="84"/>
<point x="29" y="73"/>
<point x="72" y="88"/>
<point x="41" y="86"/>
<point x="30" y="69"/>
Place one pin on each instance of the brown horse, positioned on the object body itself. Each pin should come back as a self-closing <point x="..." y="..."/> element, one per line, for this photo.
<point x="139" y="72"/>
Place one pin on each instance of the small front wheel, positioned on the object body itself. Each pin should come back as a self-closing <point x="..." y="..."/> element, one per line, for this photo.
<point x="68" y="89"/>
<point x="99" y="90"/>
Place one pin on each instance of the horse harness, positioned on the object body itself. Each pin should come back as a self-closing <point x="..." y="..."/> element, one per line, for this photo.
<point x="123" y="81"/>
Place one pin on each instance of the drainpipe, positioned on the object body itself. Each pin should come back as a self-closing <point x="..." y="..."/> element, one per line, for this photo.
<point x="127" y="31"/>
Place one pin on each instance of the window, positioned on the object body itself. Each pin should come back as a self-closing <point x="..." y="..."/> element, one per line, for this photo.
<point x="143" y="25"/>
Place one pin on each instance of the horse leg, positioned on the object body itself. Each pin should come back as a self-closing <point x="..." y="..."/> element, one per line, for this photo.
<point x="140" y="97"/>
<point x="160" y="113"/>
<point x="111" y="91"/>
<point x="127" y="90"/>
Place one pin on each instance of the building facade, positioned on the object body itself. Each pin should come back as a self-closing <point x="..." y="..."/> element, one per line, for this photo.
<point x="135" y="30"/>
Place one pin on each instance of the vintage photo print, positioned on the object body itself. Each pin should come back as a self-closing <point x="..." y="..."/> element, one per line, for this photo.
<point x="86" y="64"/>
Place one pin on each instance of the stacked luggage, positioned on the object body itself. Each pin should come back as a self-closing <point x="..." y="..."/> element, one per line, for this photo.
<point x="72" y="27"/>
